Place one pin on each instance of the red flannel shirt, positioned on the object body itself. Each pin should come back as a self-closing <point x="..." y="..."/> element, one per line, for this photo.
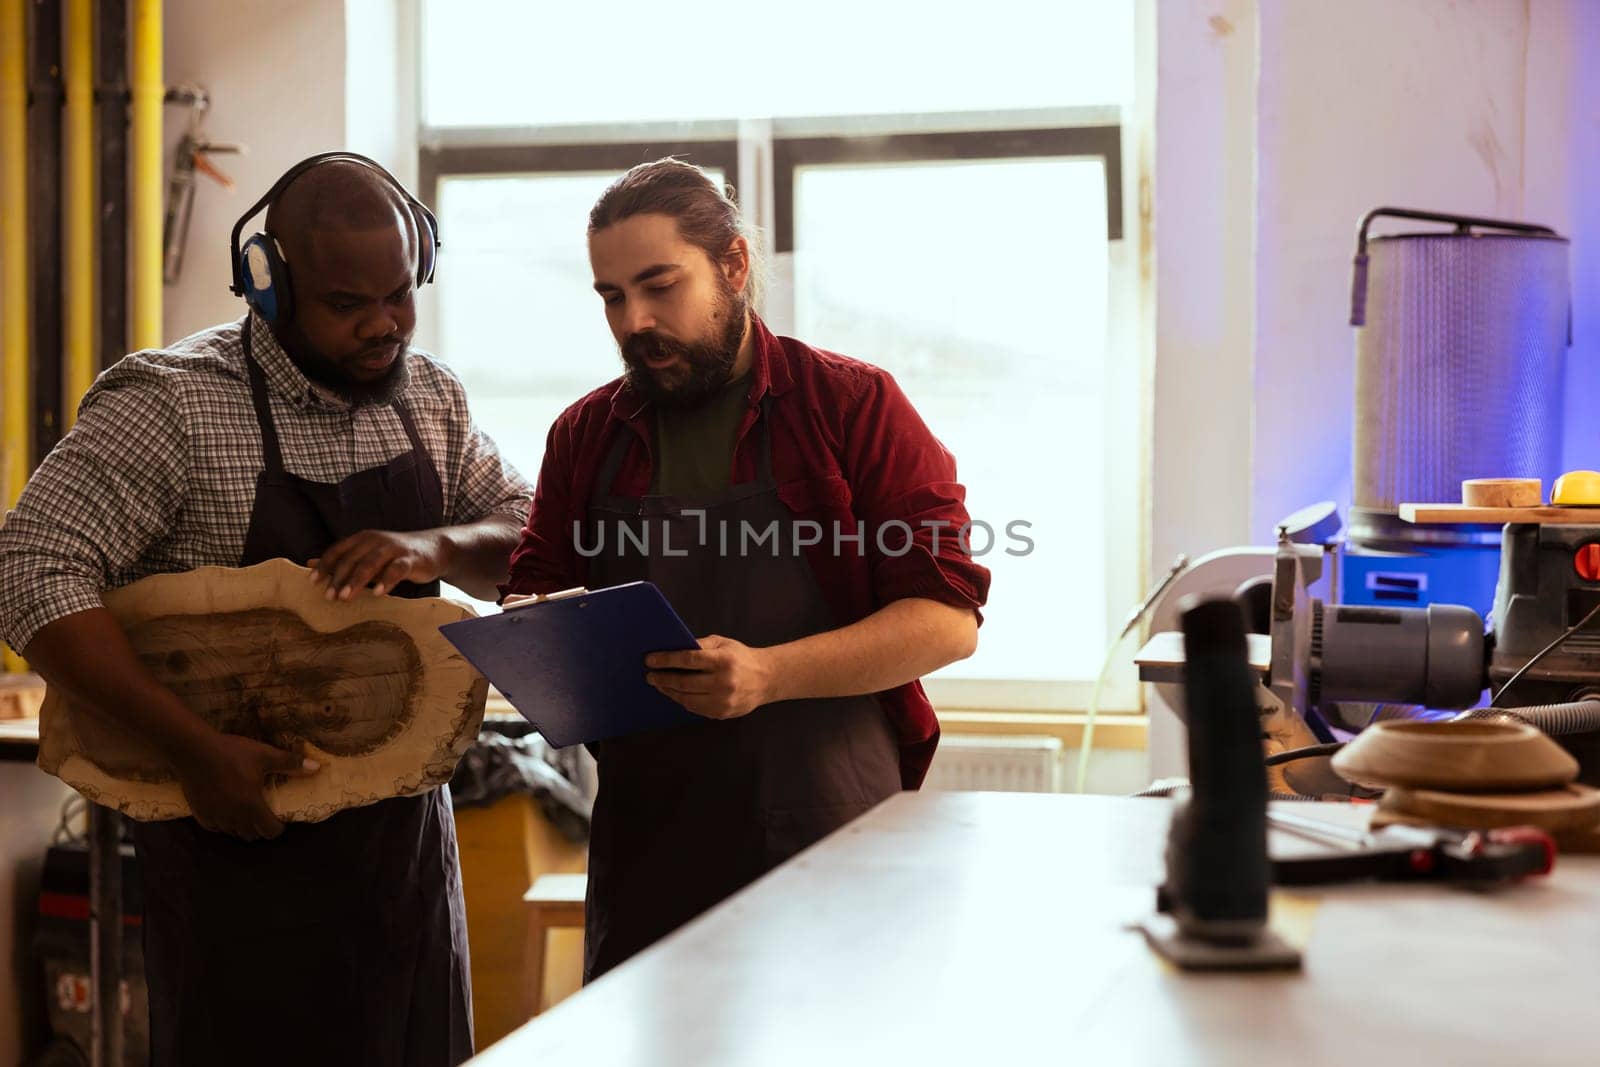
<point x="847" y="448"/>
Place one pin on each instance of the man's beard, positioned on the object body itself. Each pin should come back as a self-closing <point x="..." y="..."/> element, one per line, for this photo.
<point x="332" y="376"/>
<point x="703" y="367"/>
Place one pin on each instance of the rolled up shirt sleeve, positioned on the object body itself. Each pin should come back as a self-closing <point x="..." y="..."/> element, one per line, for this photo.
<point x="904" y="487"/>
<point x="112" y="487"/>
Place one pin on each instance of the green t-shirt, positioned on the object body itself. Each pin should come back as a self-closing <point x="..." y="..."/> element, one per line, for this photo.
<point x="694" y="446"/>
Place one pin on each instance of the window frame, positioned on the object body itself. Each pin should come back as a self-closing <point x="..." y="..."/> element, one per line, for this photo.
<point x="457" y="157"/>
<point x="1103" y="141"/>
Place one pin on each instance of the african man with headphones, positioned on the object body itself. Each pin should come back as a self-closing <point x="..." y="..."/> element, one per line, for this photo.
<point x="309" y="430"/>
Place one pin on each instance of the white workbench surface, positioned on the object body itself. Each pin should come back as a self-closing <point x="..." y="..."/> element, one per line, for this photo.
<point x="973" y="928"/>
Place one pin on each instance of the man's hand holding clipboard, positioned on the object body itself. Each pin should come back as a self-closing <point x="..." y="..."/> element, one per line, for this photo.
<point x="723" y="679"/>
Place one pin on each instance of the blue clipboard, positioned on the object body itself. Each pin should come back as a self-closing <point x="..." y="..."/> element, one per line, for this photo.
<point x="573" y="663"/>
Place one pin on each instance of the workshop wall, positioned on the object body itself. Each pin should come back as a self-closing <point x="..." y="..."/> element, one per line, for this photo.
<point x="1278" y="125"/>
<point x="1468" y="107"/>
<point x="1562" y="163"/>
<point x="287" y="80"/>
<point x="275" y="70"/>
<point x="1203" y="219"/>
<point x="380" y="84"/>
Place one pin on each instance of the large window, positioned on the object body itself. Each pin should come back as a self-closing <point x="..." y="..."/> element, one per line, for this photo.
<point x="941" y="197"/>
<point x="538" y="63"/>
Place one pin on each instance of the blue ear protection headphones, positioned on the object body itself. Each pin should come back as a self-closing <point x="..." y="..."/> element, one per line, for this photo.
<point x="260" y="272"/>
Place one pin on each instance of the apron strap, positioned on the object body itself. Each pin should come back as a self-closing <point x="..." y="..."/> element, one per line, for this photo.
<point x="271" y="454"/>
<point x="271" y="451"/>
<point x="764" y="471"/>
<point x="411" y="431"/>
<point x="610" y="465"/>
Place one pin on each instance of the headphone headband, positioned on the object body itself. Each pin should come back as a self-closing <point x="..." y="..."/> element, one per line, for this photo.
<point x="425" y="217"/>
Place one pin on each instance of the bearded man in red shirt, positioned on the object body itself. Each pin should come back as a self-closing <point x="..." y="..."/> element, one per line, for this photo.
<point x="806" y="525"/>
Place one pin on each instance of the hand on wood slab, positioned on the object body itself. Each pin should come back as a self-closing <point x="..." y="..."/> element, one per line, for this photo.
<point x="224" y="785"/>
<point x="200" y="692"/>
<point x="381" y="559"/>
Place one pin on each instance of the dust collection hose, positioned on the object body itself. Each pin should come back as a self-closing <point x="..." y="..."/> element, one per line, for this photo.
<point x="1574" y="717"/>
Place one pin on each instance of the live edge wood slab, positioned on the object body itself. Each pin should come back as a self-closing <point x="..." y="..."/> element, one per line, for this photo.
<point x="367" y="687"/>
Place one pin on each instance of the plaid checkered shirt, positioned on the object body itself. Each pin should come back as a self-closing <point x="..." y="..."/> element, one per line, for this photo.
<point x="159" y="473"/>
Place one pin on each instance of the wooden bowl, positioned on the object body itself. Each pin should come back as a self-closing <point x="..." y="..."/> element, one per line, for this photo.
<point x="1570" y="808"/>
<point x="1479" y="755"/>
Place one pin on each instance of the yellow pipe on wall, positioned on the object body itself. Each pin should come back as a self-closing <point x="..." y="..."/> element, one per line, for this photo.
<point x="15" y="439"/>
<point x="14" y="385"/>
<point x="145" y="208"/>
<point x="77" y="238"/>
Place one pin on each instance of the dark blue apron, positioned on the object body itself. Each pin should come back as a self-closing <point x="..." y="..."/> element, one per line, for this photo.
<point x="339" y="942"/>
<point x="688" y="815"/>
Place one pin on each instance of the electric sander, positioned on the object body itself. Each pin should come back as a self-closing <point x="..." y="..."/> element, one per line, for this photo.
<point x="1540" y="659"/>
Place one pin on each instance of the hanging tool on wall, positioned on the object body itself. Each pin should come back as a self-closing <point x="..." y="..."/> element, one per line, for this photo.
<point x="191" y="157"/>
